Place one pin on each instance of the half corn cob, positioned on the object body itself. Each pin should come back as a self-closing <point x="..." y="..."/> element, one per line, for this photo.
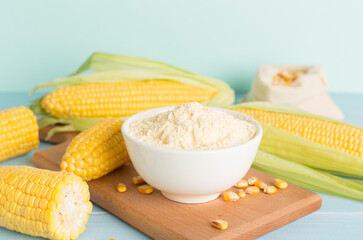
<point x="308" y="139"/>
<point x="18" y="132"/>
<point x="122" y="86"/>
<point x="96" y="151"/>
<point x="36" y="202"/>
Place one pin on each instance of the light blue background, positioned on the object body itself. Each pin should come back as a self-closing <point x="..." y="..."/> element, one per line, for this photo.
<point x="41" y="40"/>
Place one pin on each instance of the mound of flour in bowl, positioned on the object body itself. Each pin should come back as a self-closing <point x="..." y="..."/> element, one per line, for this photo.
<point x="193" y="126"/>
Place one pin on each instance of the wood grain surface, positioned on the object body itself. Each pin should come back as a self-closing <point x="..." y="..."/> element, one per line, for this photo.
<point x="160" y="218"/>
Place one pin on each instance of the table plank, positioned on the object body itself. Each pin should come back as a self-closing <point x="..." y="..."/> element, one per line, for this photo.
<point x="337" y="219"/>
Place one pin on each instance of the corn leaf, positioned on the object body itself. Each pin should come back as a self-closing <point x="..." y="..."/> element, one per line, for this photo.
<point x="307" y="177"/>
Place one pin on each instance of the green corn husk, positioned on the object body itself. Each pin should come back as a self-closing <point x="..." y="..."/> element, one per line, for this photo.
<point x="295" y="148"/>
<point x="307" y="177"/>
<point x="114" y="68"/>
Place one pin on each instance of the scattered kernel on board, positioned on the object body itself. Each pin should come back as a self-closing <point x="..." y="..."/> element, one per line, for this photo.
<point x="230" y="196"/>
<point x="220" y="224"/>
<point x="252" y="190"/>
<point x="260" y="184"/>
<point x="270" y="190"/>
<point x="145" y="189"/>
<point x="138" y="180"/>
<point x="252" y="180"/>
<point x="121" y="187"/>
<point x="241" y="183"/>
<point x="281" y="184"/>
<point x="241" y="193"/>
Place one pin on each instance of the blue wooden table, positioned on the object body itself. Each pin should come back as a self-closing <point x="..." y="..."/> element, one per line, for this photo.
<point x="338" y="218"/>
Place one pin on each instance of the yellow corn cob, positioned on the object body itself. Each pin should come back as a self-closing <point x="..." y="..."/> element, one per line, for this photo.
<point x="96" y="151"/>
<point x="121" y="98"/>
<point x="36" y="202"/>
<point x="337" y="136"/>
<point x="18" y="132"/>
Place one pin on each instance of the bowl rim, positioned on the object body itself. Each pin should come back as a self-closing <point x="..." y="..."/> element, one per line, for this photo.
<point x="128" y="121"/>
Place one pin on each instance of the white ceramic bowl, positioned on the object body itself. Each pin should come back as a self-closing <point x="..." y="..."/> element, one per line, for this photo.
<point x="190" y="176"/>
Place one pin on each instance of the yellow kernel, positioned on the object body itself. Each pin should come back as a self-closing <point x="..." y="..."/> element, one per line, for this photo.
<point x="121" y="187"/>
<point x="138" y="180"/>
<point x="220" y="224"/>
<point x="252" y="190"/>
<point x="252" y="180"/>
<point x="270" y="190"/>
<point x="241" y="184"/>
<point x="230" y="196"/>
<point x="281" y="184"/>
<point x="145" y="189"/>
<point x="241" y="193"/>
<point x="260" y="184"/>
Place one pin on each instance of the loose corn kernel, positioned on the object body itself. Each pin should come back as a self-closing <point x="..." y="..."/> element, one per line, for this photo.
<point x="270" y="190"/>
<point x="138" y="180"/>
<point x="260" y="184"/>
<point x="145" y="189"/>
<point x="252" y="180"/>
<point x="281" y="184"/>
<point x="252" y="190"/>
<point x="230" y="196"/>
<point x="241" y="193"/>
<point x="220" y="224"/>
<point x="241" y="183"/>
<point x="121" y="187"/>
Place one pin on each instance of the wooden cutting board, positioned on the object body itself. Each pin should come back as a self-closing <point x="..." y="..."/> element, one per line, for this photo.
<point x="160" y="218"/>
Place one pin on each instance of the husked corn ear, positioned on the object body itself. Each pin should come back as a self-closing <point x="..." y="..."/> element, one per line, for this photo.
<point x="121" y="187"/>
<point x="230" y="196"/>
<point x="53" y="205"/>
<point x="241" y="183"/>
<point x="120" y="98"/>
<point x="18" y="132"/>
<point x="96" y="151"/>
<point x="280" y="183"/>
<point x="137" y="180"/>
<point x="252" y="190"/>
<point x="220" y="224"/>
<point x="145" y="189"/>
<point x="335" y="135"/>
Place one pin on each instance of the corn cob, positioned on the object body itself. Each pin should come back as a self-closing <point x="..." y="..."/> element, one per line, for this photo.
<point x="121" y="86"/>
<point x="43" y="203"/>
<point x="121" y="98"/>
<point x="308" y="139"/>
<point x="336" y="135"/>
<point x="96" y="151"/>
<point x="18" y="132"/>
